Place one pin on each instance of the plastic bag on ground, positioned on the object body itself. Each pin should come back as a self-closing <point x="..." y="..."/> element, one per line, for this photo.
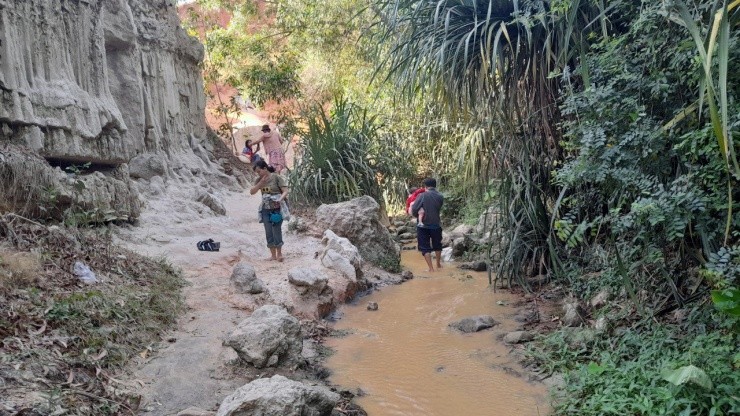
<point x="84" y="273"/>
<point x="447" y="254"/>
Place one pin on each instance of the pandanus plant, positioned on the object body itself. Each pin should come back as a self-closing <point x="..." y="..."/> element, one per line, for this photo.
<point x="495" y="66"/>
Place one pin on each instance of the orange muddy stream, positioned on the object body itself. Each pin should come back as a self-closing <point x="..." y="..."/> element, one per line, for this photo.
<point x="408" y="362"/>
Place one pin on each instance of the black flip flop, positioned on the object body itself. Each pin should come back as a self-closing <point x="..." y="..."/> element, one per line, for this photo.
<point x="208" y="245"/>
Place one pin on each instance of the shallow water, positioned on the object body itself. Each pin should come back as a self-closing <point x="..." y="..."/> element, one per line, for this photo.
<point x="408" y="362"/>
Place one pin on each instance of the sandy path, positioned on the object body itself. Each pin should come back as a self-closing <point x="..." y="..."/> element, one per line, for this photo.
<point x="192" y="369"/>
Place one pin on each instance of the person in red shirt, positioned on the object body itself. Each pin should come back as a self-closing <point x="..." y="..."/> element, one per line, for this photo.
<point x="413" y="193"/>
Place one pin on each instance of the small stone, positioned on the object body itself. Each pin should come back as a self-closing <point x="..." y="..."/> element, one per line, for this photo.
<point x="372" y="306"/>
<point x="527" y="316"/>
<point x="574" y="314"/>
<point x="518" y="337"/>
<point x="194" y="411"/>
<point x="244" y="278"/>
<point x="407" y="275"/>
<point x="477" y="266"/>
<point x="601" y="324"/>
<point x="407" y="236"/>
<point x="474" y="323"/>
<point x="600" y="299"/>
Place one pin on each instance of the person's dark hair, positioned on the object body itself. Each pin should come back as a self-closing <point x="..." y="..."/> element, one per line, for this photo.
<point x="265" y="127"/>
<point x="263" y="165"/>
<point x="413" y="189"/>
<point x="430" y="183"/>
<point x="247" y="143"/>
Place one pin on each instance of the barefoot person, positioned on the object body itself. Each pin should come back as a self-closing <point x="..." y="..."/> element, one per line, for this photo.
<point x="274" y="190"/>
<point x="273" y="147"/>
<point x="429" y="233"/>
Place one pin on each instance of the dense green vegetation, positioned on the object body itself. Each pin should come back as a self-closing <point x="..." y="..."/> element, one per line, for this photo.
<point x="601" y="132"/>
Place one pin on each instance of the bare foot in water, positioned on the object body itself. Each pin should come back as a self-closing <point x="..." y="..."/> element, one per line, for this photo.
<point x="271" y="258"/>
<point x="280" y="259"/>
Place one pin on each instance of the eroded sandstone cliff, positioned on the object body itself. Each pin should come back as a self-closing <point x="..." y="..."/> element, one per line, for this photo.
<point x="104" y="82"/>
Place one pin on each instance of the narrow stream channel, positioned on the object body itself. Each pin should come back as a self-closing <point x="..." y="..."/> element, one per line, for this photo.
<point x="408" y="362"/>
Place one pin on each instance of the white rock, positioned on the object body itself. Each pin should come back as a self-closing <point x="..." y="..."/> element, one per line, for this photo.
<point x="359" y="221"/>
<point x="244" y="278"/>
<point x="340" y="254"/>
<point x="279" y="396"/>
<point x="308" y="280"/>
<point x="269" y="337"/>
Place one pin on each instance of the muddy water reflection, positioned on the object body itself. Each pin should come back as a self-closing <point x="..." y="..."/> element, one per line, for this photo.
<point x="409" y="362"/>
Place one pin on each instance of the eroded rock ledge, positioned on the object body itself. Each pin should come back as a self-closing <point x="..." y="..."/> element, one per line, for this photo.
<point x="102" y="82"/>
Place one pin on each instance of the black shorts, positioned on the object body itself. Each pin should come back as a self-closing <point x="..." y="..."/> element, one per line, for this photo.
<point x="429" y="239"/>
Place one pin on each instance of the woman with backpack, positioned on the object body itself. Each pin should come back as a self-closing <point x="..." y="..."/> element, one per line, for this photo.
<point x="274" y="191"/>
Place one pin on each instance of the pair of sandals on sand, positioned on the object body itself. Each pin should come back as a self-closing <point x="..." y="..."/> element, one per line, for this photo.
<point x="208" y="245"/>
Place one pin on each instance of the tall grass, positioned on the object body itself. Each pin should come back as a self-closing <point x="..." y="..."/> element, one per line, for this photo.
<point x="343" y="154"/>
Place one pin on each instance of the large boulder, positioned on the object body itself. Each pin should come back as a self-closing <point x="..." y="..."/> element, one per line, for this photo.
<point x="270" y="337"/>
<point x="341" y="255"/>
<point x="461" y="231"/>
<point x="278" y="395"/>
<point x="244" y="278"/>
<point x="359" y="221"/>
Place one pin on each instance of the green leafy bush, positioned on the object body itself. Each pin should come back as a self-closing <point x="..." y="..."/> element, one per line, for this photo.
<point x="646" y="370"/>
<point x="642" y="179"/>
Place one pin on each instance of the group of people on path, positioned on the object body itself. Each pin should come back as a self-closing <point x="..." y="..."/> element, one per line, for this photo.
<point x="425" y="203"/>
<point x="273" y="143"/>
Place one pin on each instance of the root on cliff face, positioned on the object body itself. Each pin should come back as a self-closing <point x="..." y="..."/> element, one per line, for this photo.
<point x="61" y="341"/>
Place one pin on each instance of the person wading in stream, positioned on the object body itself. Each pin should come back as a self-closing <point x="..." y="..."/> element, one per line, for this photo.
<point x="429" y="232"/>
<point x="274" y="190"/>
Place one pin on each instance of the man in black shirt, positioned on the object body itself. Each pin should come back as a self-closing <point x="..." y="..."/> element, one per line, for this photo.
<point x="426" y="208"/>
